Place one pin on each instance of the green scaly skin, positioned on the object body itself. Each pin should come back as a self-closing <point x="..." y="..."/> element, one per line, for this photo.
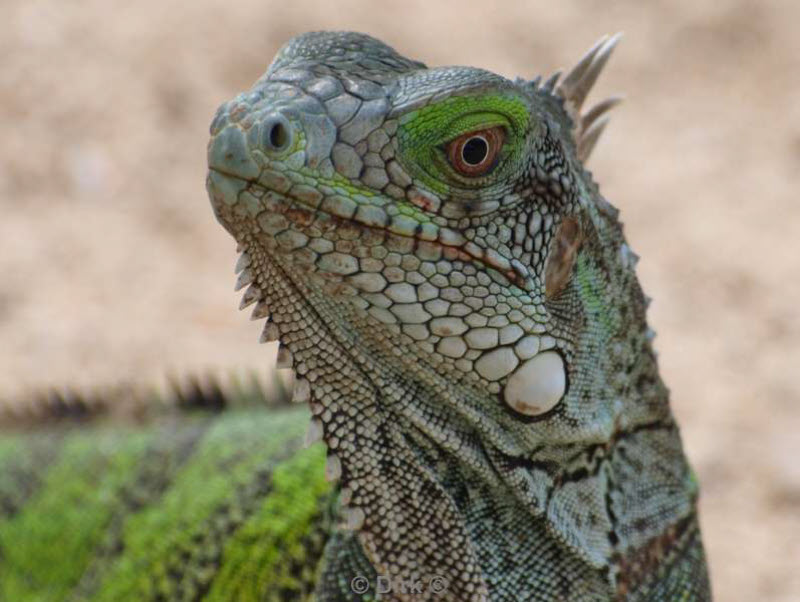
<point x="473" y="347"/>
<point x="186" y="506"/>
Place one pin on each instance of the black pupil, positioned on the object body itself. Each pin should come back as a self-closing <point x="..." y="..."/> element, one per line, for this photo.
<point x="475" y="151"/>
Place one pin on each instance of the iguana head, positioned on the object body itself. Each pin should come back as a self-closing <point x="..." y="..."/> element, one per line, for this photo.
<point x="453" y="293"/>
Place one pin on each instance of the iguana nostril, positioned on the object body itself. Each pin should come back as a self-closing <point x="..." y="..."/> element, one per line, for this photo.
<point x="277" y="134"/>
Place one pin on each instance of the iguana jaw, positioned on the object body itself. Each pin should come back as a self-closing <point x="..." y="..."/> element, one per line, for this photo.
<point x="302" y="211"/>
<point x="330" y="290"/>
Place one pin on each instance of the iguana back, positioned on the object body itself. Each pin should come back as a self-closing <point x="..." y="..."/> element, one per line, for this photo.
<point x="189" y="501"/>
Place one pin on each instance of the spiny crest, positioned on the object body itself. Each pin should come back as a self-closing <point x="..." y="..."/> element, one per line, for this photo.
<point x="301" y="388"/>
<point x="573" y="89"/>
<point x="209" y="392"/>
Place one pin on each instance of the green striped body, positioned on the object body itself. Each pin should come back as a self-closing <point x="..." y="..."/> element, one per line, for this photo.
<point x="227" y="506"/>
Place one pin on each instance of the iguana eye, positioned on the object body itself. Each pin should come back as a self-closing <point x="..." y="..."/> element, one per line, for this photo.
<point x="475" y="153"/>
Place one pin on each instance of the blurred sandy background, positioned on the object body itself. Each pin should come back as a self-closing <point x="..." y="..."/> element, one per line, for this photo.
<point x="113" y="269"/>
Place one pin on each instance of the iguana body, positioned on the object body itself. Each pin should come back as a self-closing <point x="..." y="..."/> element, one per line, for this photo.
<point x="168" y="506"/>
<point x="462" y="315"/>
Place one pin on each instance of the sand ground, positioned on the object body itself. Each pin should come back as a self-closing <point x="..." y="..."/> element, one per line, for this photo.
<point x="112" y="267"/>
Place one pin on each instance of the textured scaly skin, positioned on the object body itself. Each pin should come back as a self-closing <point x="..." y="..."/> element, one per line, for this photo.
<point x="406" y="297"/>
<point x="431" y="316"/>
<point x="181" y="504"/>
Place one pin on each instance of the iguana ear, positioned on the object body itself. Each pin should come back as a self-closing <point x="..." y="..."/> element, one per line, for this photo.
<point x="572" y="90"/>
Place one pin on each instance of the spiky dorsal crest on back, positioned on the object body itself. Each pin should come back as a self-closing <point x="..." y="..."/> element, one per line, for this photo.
<point x="139" y="404"/>
<point x="571" y="92"/>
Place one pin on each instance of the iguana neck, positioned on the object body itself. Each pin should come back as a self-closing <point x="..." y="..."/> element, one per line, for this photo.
<point x="501" y="476"/>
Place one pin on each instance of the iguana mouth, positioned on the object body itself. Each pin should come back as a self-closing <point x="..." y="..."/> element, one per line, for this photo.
<point x="303" y="211"/>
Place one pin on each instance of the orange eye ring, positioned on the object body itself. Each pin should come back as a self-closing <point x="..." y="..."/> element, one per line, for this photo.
<point x="475" y="153"/>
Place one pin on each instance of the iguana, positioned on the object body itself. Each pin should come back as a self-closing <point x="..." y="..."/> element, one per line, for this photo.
<point x="468" y="336"/>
